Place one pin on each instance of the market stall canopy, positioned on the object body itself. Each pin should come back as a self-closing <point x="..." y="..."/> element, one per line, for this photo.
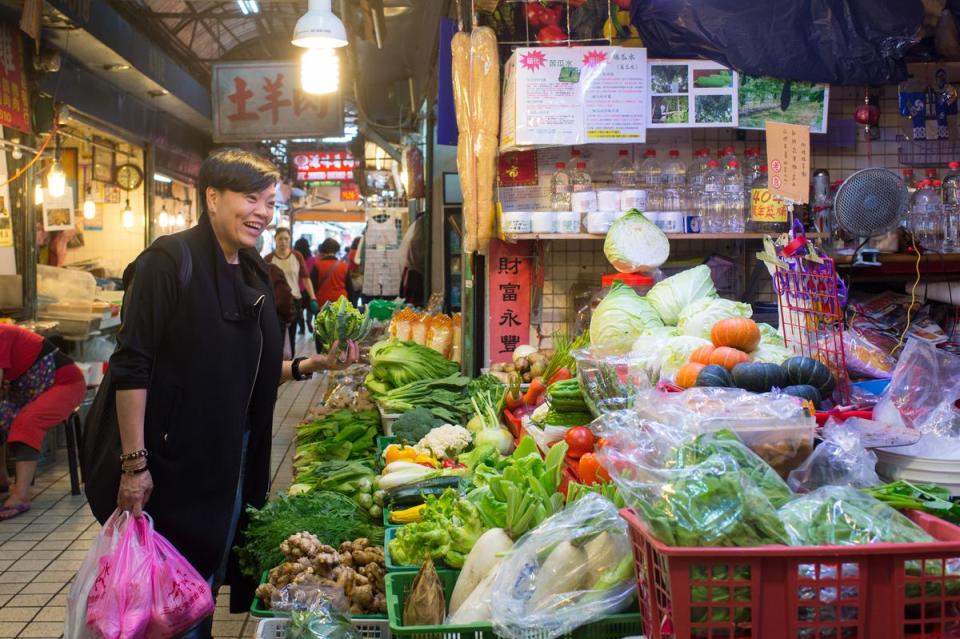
<point x="835" y="41"/>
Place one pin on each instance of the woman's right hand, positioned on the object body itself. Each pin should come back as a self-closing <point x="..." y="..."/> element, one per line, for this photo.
<point x="134" y="492"/>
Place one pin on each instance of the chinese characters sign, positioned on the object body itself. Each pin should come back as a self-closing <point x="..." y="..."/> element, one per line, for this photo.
<point x="575" y="95"/>
<point x="511" y="269"/>
<point x="332" y="166"/>
<point x="788" y="153"/>
<point x="254" y="101"/>
<point x="14" y="100"/>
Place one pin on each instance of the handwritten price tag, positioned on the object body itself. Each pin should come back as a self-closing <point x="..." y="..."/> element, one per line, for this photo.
<point x="788" y="150"/>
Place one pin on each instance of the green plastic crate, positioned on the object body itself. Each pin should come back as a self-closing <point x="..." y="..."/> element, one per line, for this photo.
<point x="399" y="583"/>
<point x="382" y="442"/>
<point x="389" y="534"/>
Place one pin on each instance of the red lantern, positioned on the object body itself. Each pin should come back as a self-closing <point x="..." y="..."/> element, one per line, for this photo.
<point x="867" y="114"/>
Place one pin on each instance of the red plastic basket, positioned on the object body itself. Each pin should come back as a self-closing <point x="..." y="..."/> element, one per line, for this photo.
<point x="881" y="591"/>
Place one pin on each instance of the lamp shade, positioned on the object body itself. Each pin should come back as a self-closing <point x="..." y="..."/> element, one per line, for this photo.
<point x="319" y="28"/>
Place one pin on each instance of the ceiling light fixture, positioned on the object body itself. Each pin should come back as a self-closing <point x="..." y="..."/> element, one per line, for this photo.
<point x="116" y="67"/>
<point x="38" y="194"/>
<point x="160" y="177"/>
<point x="56" y="179"/>
<point x="179" y="220"/>
<point x="89" y="207"/>
<point x="248" y="6"/>
<point x="320" y="71"/>
<point x="127" y="216"/>
<point x="164" y="218"/>
<point x="319" y="28"/>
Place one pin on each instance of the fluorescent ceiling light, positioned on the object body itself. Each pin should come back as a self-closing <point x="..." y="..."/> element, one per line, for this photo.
<point x="160" y="177"/>
<point x="248" y="6"/>
<point x="319" y="28"/>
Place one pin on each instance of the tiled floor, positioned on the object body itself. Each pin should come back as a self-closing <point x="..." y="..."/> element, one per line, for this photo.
<point x="41" y="550"/>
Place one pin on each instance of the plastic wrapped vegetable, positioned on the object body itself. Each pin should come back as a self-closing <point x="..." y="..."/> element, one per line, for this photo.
<point x="570" y="570"/>
<point x="315" y="612"/>
<point x="841" y="460"/>
<point x="840" y="515"/>
<point x="609" y="383"/>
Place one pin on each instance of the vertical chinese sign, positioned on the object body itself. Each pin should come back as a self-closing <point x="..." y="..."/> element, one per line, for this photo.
<point x="788" y="156"/>
<point x="255" y="101"/>
<point x="14" y="99"/>
<point x="511" y="278"/>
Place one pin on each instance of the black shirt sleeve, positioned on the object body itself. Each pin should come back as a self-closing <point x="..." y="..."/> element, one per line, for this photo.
<point x="148" y="303"/>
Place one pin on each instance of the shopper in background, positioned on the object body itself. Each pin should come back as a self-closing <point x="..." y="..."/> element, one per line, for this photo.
<point x="42" y="388"/>
<point x="355" y="270"/>
<point x="298" y="277"/>
<point x="412" y="254"/>
<point x="191" y="388"/>
<point x="329" y="275"/>
<point x="302" y="246"/>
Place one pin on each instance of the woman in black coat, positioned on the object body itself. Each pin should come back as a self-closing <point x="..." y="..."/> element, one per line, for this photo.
<point x="196" y="371"/>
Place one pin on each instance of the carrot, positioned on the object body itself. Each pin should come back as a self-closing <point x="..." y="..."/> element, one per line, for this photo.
<point x="537" y="388"/>
<point x="560" y="375"/>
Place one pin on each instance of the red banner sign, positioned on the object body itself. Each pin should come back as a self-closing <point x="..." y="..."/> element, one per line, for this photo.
<point x="511" y="271"/>
<point x="518" y="168"/>
<point x="14" y="99"/>
<point x="327" y="166"/>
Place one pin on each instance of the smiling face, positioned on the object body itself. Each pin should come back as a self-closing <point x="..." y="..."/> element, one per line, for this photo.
<point x="238" y="219"/>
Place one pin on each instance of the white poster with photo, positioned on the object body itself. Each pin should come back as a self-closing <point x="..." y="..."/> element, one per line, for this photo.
<point x="574" y="95"/>
<point x="58" y="214"/>
<point x="382" y="261"/>
<point x="691" y="93"/>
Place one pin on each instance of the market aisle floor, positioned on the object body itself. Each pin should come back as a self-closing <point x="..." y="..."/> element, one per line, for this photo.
<point x="41" y="550"/>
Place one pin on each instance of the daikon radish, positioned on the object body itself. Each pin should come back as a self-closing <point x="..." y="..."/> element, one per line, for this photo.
<point x="479" y="563"/>
<point x="476" y="607"/>
<point x="565" y="570"/>
<point x="603" y="555"/>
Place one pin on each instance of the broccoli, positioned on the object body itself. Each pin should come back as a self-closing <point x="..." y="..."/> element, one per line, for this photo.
<point x="414" y="424"/>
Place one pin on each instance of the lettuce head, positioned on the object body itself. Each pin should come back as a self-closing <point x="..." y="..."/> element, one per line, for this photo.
<point x="675" y="293"/>
<point x="698" y="317"/>
<point x="619" y="319"/>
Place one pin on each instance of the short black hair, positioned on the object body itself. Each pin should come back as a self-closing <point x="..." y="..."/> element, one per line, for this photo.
<point x="330" y="246"/>
<point x="282" y="229"/>
<point x="235" y="170"/>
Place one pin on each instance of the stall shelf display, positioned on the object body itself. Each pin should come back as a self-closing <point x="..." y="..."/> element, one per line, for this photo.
<point x="880" y="591"/>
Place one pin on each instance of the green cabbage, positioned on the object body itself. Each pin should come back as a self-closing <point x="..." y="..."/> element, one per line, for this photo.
<point x="673" y="294"/>
<point x="660" y="331"/>
<point x="634" y="243"/>
<point x="676" y="352"/>
<point x="770" y="335"/>
<point x="699" y="317"/>
<point x="772" y="353"/>
<point x="646" y="354"/>
<point x="619" y="318"/>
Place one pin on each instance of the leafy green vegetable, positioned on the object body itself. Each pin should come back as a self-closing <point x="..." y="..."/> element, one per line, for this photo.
<point x="672" y="295"/>
<point x="395" y="364"/>
<point x="414" y="424"/>
<point x="343" y="435"/>
<point x="619" y="319"/>
<point x="841" y="515"/>
<point x="332" y="517"/>
<point x="931" y="498"/>
<point x="448" y="529"/>
<point x="444" y="397"/>
<point x="338" y="322"/>
<point x="634" y="243"/>
<point x="698" y="317"/>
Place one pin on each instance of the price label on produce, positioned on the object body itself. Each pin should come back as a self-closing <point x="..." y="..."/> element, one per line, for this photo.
<point x="788" y="154"/>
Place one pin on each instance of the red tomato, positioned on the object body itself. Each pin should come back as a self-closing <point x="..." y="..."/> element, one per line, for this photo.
<point x="537" y="15"/>
<point x="580" y="441"/>
<point x="552" y="15"/>
<point x="551" y="36"/>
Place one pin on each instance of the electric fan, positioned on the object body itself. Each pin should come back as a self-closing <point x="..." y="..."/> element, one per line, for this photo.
<point x="870" y="203"/>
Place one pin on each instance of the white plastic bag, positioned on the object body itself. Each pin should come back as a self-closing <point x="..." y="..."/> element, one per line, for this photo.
<point x="840" y="460"/>
<point x="75" y="626"/>
<point x="573" y="568"/>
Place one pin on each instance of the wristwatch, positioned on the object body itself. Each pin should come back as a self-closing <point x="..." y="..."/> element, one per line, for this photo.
<point x="295" y="370"/>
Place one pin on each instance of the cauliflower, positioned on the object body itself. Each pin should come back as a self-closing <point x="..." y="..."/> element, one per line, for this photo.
<point x="445" y="441"/>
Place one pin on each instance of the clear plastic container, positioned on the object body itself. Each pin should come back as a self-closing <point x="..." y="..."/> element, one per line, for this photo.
<point x="926" y="214"/>
<point x="909" y="180"/>
<point x="733" y="200"/>
<point x="767" y="215"/>
<point x="651" y="173"/>
<point x="624" y="173"/>
<point x="711" y="199"/>
<point x="583" y="198"/>
<point x="560" y="188"/>
<point x="951" y="209"/>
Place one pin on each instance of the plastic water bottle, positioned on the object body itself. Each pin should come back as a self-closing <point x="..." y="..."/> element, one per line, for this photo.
<point x="908" y="180"/>
<point x="767" y="215"/>
<point x="624" y="173"/>
<point x="925" y="216"/>
<point x="951" y="209"/>
<point x="560" y="188"/>
<point x="751" y="169"/>
<point x="733" y="200"/>
<point x="674" y="181"/>
<point x="576" y="155"/>
<point x="931" y="174"/>
<point x="711" y="199"/>
<point x="726" y="154"/>
<point x="695" y="170"/>
<point x="651" y="173"/>
<point x="583" y="198"/>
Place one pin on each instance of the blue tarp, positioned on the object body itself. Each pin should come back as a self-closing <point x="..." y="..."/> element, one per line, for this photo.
<point x="835" y="41"/>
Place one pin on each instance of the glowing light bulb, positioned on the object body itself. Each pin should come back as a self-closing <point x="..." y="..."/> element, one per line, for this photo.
<point x="319" y="71"/>
<point x="57" y="180"/>
<point x="38" y="194"/>
<point x="89" y="208"/>
<point x="127" y="216"/>
<point x="180" y="220"/>
<point x="163" y="219"/>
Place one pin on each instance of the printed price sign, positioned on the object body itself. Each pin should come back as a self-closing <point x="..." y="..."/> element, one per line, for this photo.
<point x="788" y="151"/>
<point x="511" y="267"/>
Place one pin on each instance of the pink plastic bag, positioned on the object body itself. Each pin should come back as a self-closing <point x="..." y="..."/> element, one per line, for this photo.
<point x="120" y="601"/>
<point x="75" y="626"/>
<point x="181" y="597"/>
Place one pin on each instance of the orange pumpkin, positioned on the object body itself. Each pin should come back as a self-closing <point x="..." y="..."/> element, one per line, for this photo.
<point x="741" y="333"/>
<point x="728" y="357"/>
<point x="702" y="354"/>
<point x="687" y="375"/>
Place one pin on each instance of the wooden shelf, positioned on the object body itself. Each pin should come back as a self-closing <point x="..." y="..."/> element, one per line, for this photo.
<point x="516" y="237"/>
<point x="904" y="264"/>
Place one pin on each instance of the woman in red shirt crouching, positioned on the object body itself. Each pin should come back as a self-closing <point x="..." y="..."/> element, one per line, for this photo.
<point x="41" y="388"/>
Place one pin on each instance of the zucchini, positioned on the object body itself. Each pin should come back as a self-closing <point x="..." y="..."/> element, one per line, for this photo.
<point x="413" y="494"/>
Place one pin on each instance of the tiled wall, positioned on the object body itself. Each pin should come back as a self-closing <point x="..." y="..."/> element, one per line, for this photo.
<point x="571" y="266"/>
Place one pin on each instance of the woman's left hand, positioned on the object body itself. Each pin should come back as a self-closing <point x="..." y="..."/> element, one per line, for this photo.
<point x="334" y="360"/>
